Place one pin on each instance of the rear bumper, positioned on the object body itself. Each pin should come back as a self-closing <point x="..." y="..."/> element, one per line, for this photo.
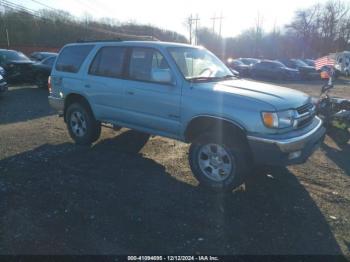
<point x="57" y="104"/>
<point x="287" y="150"/>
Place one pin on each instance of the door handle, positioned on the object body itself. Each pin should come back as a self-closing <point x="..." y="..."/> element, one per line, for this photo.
<point x="87" y="86"/>
<point x="130" y="92"/>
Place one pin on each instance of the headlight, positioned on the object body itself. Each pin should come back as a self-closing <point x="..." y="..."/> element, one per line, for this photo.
<point x="282" y="119"/>
<point x="2" y="71"/>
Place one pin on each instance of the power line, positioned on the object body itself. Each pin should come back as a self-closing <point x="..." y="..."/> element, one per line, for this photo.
<point x="20" y="8"/>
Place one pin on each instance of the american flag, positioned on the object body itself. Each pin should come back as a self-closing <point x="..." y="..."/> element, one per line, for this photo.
<point x="324" y="61"/>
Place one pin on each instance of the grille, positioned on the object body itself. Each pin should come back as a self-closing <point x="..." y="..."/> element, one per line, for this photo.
<point x="305" y="121"/>
<point x="304" y="109"/>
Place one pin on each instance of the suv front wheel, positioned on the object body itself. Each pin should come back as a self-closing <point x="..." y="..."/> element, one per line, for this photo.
<point x="82" y="125"/>
<point x="218" y="163"/>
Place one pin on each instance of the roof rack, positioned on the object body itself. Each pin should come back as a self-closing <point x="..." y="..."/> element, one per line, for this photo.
<point x="120" y="39"/>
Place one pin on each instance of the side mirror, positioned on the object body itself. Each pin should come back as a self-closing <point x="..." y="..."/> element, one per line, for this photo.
<point x="161" y="75"/>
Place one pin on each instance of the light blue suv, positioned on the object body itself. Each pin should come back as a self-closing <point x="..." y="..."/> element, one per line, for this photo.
<point x="186" y="93"/>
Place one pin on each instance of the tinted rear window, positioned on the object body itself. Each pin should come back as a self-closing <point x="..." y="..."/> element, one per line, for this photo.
<point x="108" y="62"/>
<point x="72" y="57"/>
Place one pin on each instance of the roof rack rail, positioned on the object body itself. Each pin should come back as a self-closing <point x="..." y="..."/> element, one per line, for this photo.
<point x="120" y="39"/>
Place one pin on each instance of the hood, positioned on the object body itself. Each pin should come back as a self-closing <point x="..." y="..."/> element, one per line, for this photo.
<point x="279" y="97"/>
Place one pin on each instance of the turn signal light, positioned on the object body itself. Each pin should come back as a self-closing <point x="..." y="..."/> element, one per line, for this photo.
<point x="270" y="119"/>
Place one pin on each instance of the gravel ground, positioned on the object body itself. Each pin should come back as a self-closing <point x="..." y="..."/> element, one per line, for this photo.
<point x="127" y="195"/>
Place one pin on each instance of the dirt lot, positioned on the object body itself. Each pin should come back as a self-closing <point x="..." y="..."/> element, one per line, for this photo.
<point x="125" y="195"/>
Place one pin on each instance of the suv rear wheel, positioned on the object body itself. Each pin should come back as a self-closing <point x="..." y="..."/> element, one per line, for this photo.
<point x="218" y="163"/>
<point x="82" y="125"/>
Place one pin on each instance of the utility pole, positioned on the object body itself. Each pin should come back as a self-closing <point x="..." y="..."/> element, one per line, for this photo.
<point x="196" y="23"/>
<point x="214" y="18"/>
<point x="190" y="23"/>
<point x="220" y="27"/>
<point x="190" y="27"/>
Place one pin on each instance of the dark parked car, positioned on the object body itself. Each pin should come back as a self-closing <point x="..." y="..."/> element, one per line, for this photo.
<point x="39" y="56"/>
<point x="3" y="85"/>
<point x="309" y="62"/>
<point x="17" y="66"/>
<point x="42" y="71"/>
<point x="306" y="71"/>
<point x="239" y="66"/>
<point x="273" y="70"/>
<point x="2" y="71"/>
<point x="249" y="61"/>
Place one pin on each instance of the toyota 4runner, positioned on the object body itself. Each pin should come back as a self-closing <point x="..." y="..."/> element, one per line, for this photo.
<point x="186" y="93"/>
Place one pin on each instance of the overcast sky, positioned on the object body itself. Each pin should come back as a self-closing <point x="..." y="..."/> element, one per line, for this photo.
<point x="238" y="15"/>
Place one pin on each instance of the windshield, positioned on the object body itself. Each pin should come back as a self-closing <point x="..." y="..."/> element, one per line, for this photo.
<point x="199" y="64"/>
<point x="300" y="63"/>
<point x="279" y="64"/>
<point x="13" y="56"/>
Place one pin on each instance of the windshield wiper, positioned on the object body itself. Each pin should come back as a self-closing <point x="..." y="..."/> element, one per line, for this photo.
<point x="202" y="78"/>
<point x="227" y="77"/>
<point x="210" y="78"/>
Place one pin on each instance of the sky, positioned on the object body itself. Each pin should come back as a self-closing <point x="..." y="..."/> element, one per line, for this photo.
<point x="237" y="15"/>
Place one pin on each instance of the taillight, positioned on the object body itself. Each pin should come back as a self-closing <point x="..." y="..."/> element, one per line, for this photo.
<point x="49" y="83"/>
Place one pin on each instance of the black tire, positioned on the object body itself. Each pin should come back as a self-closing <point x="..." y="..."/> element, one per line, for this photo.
<point x="239" y="156"/>
<point x="90" y="128"/>
<point x="41" y="81"/>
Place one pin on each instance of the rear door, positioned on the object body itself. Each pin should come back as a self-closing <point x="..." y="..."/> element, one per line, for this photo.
<point x="152" y="103"/>
<point x="105" y="84"/>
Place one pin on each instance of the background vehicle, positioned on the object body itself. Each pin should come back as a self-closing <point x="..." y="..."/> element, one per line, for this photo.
<point x="343" y="63"/>
<point x="309" y="62"/>
<point x="42" y="71"/>
<point x="334" y="111"/>
<point x="3" y="85"/>
<point x="273" y="70"/>
<point x="17" y="66"/>
<point x="305" y="71"/>
<point x="330" y="108"/>
<point x="249" y="61"/>
<point x="186" y="93"/>
<point x="239" y="66"/>
<point x="2" y="71"/>
<point x="39" y="56"/>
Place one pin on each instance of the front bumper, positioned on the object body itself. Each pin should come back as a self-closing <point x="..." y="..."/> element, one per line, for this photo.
<point x="288" y="149"/>
<point x="57" y="104"/>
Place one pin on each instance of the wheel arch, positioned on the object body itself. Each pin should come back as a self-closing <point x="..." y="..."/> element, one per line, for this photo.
<point x="73" y="98"/>
<point x="207" y="123"/>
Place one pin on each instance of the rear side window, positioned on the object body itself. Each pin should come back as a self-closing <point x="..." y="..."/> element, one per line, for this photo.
<point x="108" y="62"/>
<point x="72" y="57"/>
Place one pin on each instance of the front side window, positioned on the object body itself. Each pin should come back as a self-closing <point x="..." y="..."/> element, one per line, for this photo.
<point x="108" y="62"/>
<point x="197" y="63"/>
<point x="72" y="57"/>
<point x="147" y="64"/>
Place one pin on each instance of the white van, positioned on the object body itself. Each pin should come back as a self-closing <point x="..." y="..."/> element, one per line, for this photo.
<point x="343" y="63"/>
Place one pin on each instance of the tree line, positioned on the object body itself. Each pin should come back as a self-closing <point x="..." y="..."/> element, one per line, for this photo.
<point x="56" y="28"/>
<point x="313" y="32"/>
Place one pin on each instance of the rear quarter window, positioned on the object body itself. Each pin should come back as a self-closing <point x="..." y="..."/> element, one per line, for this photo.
<point x="72" y="57"/>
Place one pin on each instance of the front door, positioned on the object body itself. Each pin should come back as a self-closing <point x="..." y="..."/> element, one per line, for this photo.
<point x="152" y="97"/>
